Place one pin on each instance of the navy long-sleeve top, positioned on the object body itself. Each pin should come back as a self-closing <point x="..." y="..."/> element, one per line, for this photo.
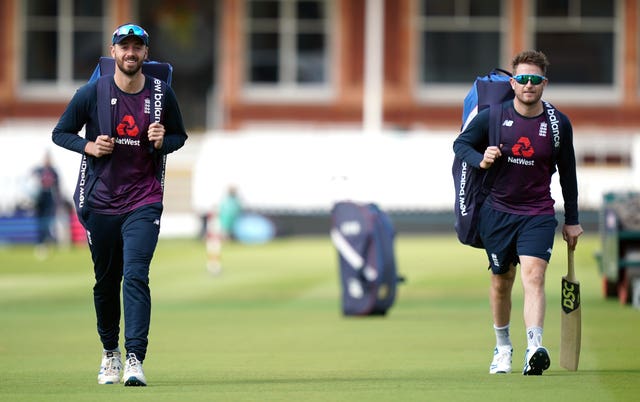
<point x="130" y="176"/>
<point x="523" y="172"/>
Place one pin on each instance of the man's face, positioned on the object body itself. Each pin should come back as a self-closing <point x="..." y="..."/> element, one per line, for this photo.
<point x="528" y="93"/>
<point x="129" y="55"/>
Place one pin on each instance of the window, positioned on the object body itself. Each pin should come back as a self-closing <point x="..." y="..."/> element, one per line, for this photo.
<point x="458" y="39"/>
<point x="579" y="38"/>
<point x="63" y="40"/>
<point x="287" y="47"/>
<point x="185" y="34"/>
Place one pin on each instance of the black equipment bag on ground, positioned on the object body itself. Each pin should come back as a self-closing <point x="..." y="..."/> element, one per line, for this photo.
<point x="364" y="236"/>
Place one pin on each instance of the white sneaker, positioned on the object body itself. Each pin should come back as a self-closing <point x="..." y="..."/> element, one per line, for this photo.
<point x="501" y="363"/>
<point x="110" y="368"/>
<point x="536" y="361"/>
<point x="133" y="374"/>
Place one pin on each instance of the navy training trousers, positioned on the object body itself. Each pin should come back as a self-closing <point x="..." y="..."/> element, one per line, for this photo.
<point x="122" y="247"/>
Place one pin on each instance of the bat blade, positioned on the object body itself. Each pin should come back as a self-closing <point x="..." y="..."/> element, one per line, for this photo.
<point x="571" y="319"/>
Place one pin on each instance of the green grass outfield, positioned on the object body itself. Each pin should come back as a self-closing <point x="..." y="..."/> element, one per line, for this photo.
<point x="270" y="329"/>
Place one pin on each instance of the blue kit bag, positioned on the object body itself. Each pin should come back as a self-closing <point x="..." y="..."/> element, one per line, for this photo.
<point x="364" y="237"/>
<point x="471" y="184"/>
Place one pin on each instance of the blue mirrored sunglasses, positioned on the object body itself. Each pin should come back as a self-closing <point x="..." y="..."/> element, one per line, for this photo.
<point x="535" y="79"/>
<point x="130" y="29"/>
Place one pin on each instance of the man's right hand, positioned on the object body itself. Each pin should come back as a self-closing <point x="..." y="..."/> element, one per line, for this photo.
<point x="490" y="155"/>
<point x="103" y="145"/>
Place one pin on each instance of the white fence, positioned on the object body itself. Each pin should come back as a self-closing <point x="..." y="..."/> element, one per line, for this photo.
<point x="398" y="171"/>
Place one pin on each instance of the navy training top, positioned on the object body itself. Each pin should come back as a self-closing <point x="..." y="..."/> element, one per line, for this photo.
<point x="523" y="177"/>
<point x="127" y="178"/>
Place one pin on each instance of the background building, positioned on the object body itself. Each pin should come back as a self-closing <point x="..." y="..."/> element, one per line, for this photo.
<point x="321" y="67"/>
<point x="247" y="62"/>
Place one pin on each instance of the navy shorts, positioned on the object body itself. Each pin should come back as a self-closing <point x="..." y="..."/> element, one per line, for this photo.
<point x="507" y="236"/>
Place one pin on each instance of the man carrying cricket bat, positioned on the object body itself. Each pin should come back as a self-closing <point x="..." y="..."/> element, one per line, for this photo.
<point x="517" y="221"/>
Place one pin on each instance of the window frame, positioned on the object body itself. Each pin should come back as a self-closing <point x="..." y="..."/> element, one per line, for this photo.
<point x="65" y="24"/>
<point x="448" y="94"/>
<point x="289" y="90"/>
<point x="453" y="93"/>
<point x="588" y="93"/>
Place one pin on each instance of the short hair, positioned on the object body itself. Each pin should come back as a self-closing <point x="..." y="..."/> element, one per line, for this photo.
<point x="534" y="57"/>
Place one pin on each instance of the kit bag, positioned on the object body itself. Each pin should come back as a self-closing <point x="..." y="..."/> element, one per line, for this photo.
<point x="472" y="185"/>
<point x="364" y="238"/>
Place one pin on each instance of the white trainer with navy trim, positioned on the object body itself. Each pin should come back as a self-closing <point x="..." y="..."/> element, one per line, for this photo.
<point x="502" y="357"/>
<point x="110" y="367"/>
<point x="133" y="374"/>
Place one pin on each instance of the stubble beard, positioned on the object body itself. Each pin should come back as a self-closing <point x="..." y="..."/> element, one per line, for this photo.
<point x="131" y="71"/>
<point x="528" y="100"/>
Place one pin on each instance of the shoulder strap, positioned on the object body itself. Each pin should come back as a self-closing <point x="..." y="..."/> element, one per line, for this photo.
<point x="553" y="124"/>
<point x="104" y="104"/>
<point x="495" y="115"/>
<point x="495" y="120"/>
<point x="157" y="104"/>
<point x="159" y="89"/>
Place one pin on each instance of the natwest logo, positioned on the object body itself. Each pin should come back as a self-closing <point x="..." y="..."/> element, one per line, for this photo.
<point x="128" y="127"/>
<point x="523" y="148"/>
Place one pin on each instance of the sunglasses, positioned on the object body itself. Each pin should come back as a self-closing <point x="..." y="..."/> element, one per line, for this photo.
<point x="523" y="79"/>
<point x="131" y="29"/>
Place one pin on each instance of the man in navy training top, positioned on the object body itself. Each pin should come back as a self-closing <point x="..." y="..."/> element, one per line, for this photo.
<point x="517" y="221"/>
<point x="121" y="208"/>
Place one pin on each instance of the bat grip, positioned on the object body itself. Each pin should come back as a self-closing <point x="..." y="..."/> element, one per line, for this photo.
<point x="571" y="275"/>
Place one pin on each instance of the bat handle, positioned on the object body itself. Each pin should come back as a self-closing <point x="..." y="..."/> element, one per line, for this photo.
<point x="571" y="275"/>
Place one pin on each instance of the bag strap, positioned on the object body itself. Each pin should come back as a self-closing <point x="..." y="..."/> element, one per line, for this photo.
<point x="495" y="115"/>
<point x="159" y="89"/>
<point x="553" y="127"/>
<point x="495" y="120"/>
<point x="104" y="104"/>
<point x="157" y="102"/>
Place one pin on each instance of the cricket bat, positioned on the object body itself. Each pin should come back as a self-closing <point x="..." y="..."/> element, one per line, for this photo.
<point x="571" y="320"/>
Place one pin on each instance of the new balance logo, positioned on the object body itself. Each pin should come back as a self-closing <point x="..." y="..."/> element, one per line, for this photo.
<point x="507" y="123"/>
<point x="495" y="260"/>
<point x="114" y="101"/>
